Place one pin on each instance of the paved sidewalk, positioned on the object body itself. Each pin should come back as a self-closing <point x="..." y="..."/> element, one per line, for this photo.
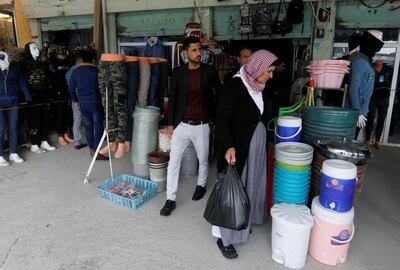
<point x="50" y="220"/>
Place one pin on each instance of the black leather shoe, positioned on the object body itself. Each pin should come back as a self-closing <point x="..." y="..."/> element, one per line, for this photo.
<point x="168" y="208"/>
<point x="80" y="146"/>
<point x="198" y="193"/>
<point x="228" y="252"/>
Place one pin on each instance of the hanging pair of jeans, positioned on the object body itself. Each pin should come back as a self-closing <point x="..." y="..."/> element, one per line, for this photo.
<point x="152" y="98"/>
<point x="144" y="80"/>
<point x="162" y="91"/>
<point x="132" y="69"/>
<point x="112" y="73"/>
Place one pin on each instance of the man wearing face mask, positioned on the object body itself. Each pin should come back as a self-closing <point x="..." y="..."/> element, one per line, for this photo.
<point x="190" y="109"/>
<point x="11" y="81"/>
<point x="362" y="75"/>
<point x="37" y="78"/>
<point x="58" y="68"/>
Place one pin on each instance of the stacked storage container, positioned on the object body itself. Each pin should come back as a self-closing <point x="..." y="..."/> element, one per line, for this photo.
<point x="333" y="212"/>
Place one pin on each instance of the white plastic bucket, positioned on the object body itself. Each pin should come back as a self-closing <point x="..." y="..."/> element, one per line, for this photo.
<point x="331" y="235"/>
<point x="291" y="226"/>
<point x="158" y="171"/>
<point x="162" y="184"/>
<point x="189" y="164"/>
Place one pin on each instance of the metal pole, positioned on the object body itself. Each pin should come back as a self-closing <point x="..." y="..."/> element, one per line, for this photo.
<point x="105" y="30"/>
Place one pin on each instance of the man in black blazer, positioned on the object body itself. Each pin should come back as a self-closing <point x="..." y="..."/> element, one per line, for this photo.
<point x="191" y="107"/>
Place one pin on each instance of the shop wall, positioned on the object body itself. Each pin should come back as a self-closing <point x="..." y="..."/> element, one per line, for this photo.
<point x="363" y="17"/>
<point x="53" y="8"/>
<point x="22" y="25"/>
<point x="67" y="23"/>
<point x="226" y="24"/>
<point x="154" y="23"/>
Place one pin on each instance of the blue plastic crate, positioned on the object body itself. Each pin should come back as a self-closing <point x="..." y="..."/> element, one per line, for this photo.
<point x="150" y="191"/>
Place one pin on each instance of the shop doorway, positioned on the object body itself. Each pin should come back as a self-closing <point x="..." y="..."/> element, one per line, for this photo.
<point x="68" y="38"/>
<point x="390" y="54"/>
<point x="391" y="134"/>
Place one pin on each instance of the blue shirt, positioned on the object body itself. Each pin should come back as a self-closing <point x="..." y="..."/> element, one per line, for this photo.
<point x="84" y="85"/>
<point x="12" y="81"/>
<point x="69" y="74"/>
<point x="362" y="78"/>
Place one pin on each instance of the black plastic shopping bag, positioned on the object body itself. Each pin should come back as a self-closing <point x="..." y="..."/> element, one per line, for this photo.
<point x="228" y="205"/>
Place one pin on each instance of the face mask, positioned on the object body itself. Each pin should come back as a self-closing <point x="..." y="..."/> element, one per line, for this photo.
<point x="33" y="47"/>
<point x="4" y="64"/>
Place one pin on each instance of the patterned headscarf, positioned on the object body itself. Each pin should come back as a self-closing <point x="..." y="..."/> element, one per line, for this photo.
<point x="258" y="62"/>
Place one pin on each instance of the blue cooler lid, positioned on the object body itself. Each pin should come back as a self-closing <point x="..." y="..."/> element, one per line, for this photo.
<point x="340" y="169"/>
<point x="289" y="121"/>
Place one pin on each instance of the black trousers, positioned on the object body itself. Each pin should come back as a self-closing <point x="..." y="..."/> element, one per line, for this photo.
<point x="63" y="116"/>
<point x="379" y="106"/>
<point x="38" y="117"/>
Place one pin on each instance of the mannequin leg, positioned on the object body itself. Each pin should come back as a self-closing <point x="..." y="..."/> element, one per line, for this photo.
<point x="13" y="130"/>
<point x="119" y="100"/>
<point x="34" y="123"/>
<point x="104" y="80"/>
<point x="131" y="98"/>
<point x="154" y="85"/>
<point x="2" y="127"/>
<point x="144" y="82"/>
<point x="43" y="128"/>
<point x="162" y="90"/>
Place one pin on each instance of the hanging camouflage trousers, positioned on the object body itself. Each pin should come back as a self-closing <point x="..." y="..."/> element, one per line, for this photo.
<point x="113" y="74"/>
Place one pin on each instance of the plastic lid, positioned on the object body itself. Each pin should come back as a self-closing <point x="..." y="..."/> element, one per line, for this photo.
<point x="294" y="148"/>
<point x="293" y="215"/>
<point x="289" y="121"/>
<point x="331" y="216"/>
<point x="340" y="169"/>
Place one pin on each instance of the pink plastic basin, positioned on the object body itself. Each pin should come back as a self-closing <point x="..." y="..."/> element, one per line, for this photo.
<point x="328" y="79"/>
<point x="330" y="62"/>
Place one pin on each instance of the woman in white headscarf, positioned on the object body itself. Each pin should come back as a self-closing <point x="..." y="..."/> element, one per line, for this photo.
<point x="243" y="140"/>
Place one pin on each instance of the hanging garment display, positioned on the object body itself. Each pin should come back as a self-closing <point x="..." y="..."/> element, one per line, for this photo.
<point x="144" y="80"/>
<point x="152" y="97"/>
<point x="132" y="70"/>
<point x="245" y="20"/>
<point x="112" y="73"/>
<point x="263" y="20"/>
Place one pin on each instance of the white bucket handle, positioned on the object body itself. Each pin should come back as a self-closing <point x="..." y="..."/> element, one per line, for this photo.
<point x="290" y="137"/>
<point x="330" y="237"/>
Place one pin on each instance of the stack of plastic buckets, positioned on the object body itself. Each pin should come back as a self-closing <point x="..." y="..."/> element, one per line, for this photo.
<point x="333" y="212"/>
<point x="292" y="172"/>
<point x="288" y="129"/>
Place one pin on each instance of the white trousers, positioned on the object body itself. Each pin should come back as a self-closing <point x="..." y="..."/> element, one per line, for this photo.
<point x="183" y="134"/>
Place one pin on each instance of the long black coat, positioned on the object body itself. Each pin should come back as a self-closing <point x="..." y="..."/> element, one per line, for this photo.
<point x="237" y="119"/>
<point x="179" y="92"/>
